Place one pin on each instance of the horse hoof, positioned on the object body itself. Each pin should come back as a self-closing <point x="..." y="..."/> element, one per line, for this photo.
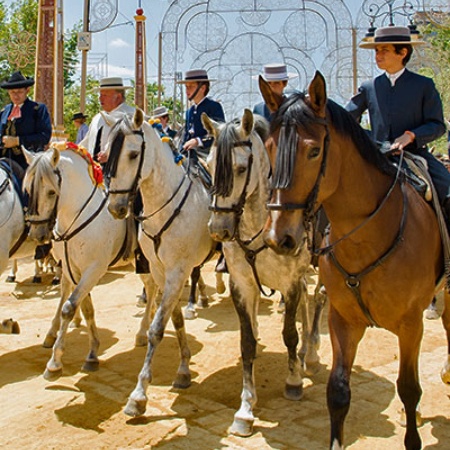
<point x="281" y="308"/>
<point x="311" y="368"/>
<point x="37" y="280"/>
<point x="56" y="281"/>
<point x="140" y="341"/>
<point x="49" y="341"/>
<point x="9" y="326"/>
<point x="52" y="375"/>
<point x="90" y="366"/>
<point x="135" y="408"/>
<point x="10" y="279"/>
<point x="242" y="427"/>
<point x="76" y="323"/>
<point x="431" y="314"/>
<point x="294" y="393"/>
<point x="190" y="313"/>
<point x="182" y="381"/>
<point x="141" y="302"/>
<point x="203" y="302"/>
<point x="445" y="375"/>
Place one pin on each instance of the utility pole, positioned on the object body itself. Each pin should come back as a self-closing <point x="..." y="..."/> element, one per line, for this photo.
<point x="140" y="89"/>
<point x="84" y="45"/>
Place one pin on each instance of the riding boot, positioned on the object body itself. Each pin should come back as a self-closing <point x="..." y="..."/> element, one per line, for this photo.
<point x="142" y="265"/>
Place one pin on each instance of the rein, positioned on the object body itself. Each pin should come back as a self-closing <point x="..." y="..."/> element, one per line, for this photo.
<point x="237" y="209"/>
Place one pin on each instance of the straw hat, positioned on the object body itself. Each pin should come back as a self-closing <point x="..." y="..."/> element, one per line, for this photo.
<point x="17" y="81"/>
<point x="113" y="83"/>
<point x="392" y="35"/>
<point x="160" y="111"/>
<point x="195" y="75"/>
<point x="276" y="72"/>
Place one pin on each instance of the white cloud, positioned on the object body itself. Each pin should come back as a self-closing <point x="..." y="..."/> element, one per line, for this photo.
<point x="119" y="43"/>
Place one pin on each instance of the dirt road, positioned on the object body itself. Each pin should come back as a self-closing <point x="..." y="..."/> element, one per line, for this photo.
<point x="86" y="410"/>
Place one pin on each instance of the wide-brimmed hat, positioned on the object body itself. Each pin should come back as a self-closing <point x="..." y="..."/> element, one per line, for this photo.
<point x="17" y="81"/>
<point x="392" y="35"/>
<point x="276" y="72"/>
<point x="195" y="75"/>
<point x="78" y="116"/>
<point x="113" y="83"/>
<point x="160" y="111"/>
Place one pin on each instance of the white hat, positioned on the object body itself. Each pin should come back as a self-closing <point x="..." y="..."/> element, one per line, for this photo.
<point x="391" y="35"/>
<point x="113" y="83"/>
<point x="195" y="75"/>
<point x="160" y="111"/>
<point x="276" y="72"/>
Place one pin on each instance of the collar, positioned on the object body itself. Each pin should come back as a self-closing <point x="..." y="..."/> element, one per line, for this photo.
<point x="393" y="77"/>
<point x="197" y="104"/>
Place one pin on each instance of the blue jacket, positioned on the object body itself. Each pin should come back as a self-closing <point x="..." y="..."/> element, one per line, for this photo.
<point x="194" y="127"/>
<point x="263" y="110"/>
<point x="412" y="104"/>
<point x="34" y="128"/>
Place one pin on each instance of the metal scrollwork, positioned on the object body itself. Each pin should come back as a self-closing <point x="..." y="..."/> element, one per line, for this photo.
<point x="102" y="14"/>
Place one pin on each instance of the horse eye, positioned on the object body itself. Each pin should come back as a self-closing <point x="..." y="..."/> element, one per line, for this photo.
<point x="51" y="193"/>
<point x="314" y="153"/>
<point x="241" y="170"/>
<point x="134" y="155"/>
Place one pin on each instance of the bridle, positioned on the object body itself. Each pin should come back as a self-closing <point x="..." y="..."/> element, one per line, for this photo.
<point x="237" y="210"/>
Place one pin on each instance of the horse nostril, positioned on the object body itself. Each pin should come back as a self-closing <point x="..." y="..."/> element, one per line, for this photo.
<point x="288" y="243"/>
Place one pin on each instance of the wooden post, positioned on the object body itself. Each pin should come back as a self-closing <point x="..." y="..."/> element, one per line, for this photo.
<point x="45" y="55"/>
<point x="140" y="90"/>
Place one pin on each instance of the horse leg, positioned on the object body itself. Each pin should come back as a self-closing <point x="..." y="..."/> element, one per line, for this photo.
<point x="189" y="311"/>
<point x="11" y="278"/>
<point x="76" y="321"/>
<point x="311" y="358"/>
<point x="203" y="299"/>
<point x="183" y="377"/>
<point x="244" y="418"/>
<point x="151" y="290"/>
<point x="408" y="385"/>
<point x="431" y="312"/>
<point x="345" y="338"/>
<point x="91" y="363"/>
<point x="137" y="400"/>
<point x="38" y="271"/>
<point x="445" y="373"/>
<point x="294" y="383"/>
<point x="281" y="308"/>
<point x="220" y="284"/>
<point x="51" y="335"/>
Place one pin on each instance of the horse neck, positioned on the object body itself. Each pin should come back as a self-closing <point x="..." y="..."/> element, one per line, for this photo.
<point x="76" y="187"/>
<point x="358" y="188"/>
<point x="161" y="176"/>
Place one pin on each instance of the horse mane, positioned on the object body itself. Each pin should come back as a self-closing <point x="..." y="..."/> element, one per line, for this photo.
<point x="41" y="168"/>
<point x="116" y="137"/>
<point x="295" y="112"/>
<point x="223" y="174"/>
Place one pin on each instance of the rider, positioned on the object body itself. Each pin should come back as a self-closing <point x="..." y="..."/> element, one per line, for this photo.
<point x="195" y="139"/>
<point x="404" y="107"/>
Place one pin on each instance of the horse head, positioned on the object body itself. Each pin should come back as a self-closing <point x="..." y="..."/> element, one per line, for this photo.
<point x="236" y="160"/>
<point x="297" y="149"/>
<point x="42" y="183"/>
<point x="125" y="149"/>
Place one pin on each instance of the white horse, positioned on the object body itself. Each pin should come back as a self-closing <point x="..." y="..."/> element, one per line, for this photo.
<point x="66" y="198"/>
<point x="14" y="243"/>
<point x="174" y="233"/>
<point x="240" y="167"/>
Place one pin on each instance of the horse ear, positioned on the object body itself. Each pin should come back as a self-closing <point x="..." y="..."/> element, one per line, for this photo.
<point x="138" y="118"/>
<point x="29" y="156"/>
<point x="209" y="124"/>
<point x="247" y="122"/>
<point x="317" y="94"/>
<point x="271" y="99"/>
<point x="55" y="156"/>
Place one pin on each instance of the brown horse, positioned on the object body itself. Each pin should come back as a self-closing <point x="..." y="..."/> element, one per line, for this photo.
<point x="383" y="258"/>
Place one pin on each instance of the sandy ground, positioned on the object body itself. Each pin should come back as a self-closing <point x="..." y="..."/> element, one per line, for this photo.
<point x="86" y="410"/>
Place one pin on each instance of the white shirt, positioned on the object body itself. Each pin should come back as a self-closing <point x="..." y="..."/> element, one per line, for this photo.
<point x="394" y="76"/>
<point x="98" y="121"/>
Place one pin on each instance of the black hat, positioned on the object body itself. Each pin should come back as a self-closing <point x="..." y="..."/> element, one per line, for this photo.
<point x="195" y="75"/>
<point x="78" y="116"/>
<point x="17" y="81"/>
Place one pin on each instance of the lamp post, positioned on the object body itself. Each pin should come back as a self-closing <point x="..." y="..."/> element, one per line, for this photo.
<point x="140" y="89"/>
